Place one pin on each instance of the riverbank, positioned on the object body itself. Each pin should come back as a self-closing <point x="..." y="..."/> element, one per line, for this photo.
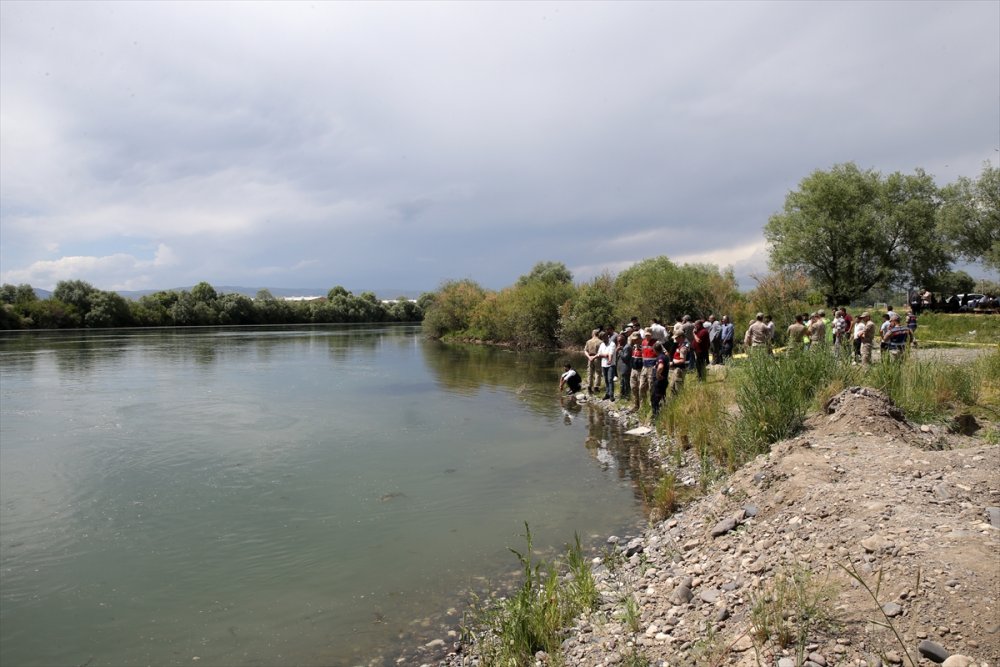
<point x="861" y="496"/>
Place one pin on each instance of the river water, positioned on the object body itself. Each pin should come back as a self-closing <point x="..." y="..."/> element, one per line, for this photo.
<point x="278" y="496"/>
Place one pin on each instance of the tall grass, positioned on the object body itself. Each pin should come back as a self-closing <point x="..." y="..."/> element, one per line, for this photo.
<point x="774" y="394"/>
<point x="509" y="631"/>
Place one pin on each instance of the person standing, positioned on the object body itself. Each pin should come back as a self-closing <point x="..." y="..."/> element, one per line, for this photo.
<point x="867" y="339"/>
<point x="758" y="336"/>
<point x="817" y="332"/>
<point x="606" y="352"/>
<point x="648" y="367"/>
<point x="593" y="361"/>
<point x="715" y="339"/>
<point x="678" y="365"/>
<point x="859" y="330"/>
<point x="701" y="346"/>
<point x="661" y="375"/>
<point x="635" y="343"/>
<point x="623" y="365"/>
<point x="897" y="338"/>
<point x="727" y="334"/>
<point x="796" y="333"/>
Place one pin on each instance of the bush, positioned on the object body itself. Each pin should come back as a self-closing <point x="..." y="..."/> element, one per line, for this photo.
<point x="452" y="308"/>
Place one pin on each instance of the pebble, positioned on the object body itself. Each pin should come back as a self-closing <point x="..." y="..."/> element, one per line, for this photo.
<point x="891" y="609"/>
<point x="786" y="662"/>
<point x="957" y="660"/>
<point x="933" y="651"/>
<point x="724" y="527"/>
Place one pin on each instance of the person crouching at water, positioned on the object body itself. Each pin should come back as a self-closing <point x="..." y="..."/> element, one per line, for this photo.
<point x="570" y="379"/>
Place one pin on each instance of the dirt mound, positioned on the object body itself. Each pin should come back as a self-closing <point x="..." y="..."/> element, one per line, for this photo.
<point x="860" y="491"/>
<point x="864" y="411"/>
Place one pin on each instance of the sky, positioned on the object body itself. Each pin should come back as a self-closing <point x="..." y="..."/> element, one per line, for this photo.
<point x="393" y="146"/>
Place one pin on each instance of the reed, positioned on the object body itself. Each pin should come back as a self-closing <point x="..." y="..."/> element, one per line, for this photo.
<point x="509" y="631"/>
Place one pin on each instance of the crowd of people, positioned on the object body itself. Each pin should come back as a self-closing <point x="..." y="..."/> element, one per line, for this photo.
<point x="648" y="363"/>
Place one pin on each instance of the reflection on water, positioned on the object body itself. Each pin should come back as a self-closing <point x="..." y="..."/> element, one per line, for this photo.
<point x="286" y="495"/>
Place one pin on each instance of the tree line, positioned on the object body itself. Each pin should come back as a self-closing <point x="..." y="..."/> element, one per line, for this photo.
<point x="845" y="236"/>
<point x="76" y="304"/>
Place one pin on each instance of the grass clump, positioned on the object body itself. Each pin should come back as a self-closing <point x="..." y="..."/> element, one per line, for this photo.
<point x="509" y="631"/>
<point x="788" y="612"/>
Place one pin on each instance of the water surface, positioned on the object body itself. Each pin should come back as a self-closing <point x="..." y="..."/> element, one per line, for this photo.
<point x="277" y="496"/>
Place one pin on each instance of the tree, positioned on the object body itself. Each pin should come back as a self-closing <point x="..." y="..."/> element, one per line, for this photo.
<point x="452" y="307"/>
<point x="552" y="273"/>
<point x="970" y="217"/>
<point x="592" y="307"/>
<point x="76" y="293"/>
<point x="107" y="309"/>
<point x="850" y="230"/>
<point x="659" y="288"/>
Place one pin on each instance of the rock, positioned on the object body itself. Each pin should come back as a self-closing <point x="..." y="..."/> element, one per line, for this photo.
<point x="691" y="544"/>
<point x="723" y="615"/>
<point x="681" y="595"/>
<point x="932" y="651"/>
<point x="786" y="662"/>
<point x="724" y="527"/>
<point x="893" y="658"/>
<point x="436" y="643"/>
<point x="876" y="543"/>
<point x="639" y="430"/>
<point x="818" y="659"/>
<point x="993" y="516"/>
<point x="743" y="644"/>
<point x="635" y="546"/>
<point x="710" y="595"/>
<point x="957" y="660"/>
<point x="891" y="609"/>
<point x="749" y="511"/>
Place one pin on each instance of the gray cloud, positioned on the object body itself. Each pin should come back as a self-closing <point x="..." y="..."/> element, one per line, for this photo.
<point x="388" y="144"/>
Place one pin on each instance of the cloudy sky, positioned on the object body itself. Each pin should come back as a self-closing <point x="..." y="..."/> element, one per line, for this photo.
<point x="391" y="145"/>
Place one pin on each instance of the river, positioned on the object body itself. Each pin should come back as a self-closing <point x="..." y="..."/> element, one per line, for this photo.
<point x="279" y="496"/>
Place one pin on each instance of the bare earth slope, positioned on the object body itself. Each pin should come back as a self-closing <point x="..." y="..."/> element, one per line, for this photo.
<point x="860" y="488"/>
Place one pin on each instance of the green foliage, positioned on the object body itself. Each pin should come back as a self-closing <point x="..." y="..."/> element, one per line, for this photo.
<point x="950" y="282"/>
<point x="850" y="230"/>
<point x="509" y="631"/>
<point x="452" y="308"/>
<point x="76" y="293"/>
<point x="659" y="288"/>
<point x="782" y="295"/>
<point x="592" y="307"/>
<point x="970" y="217"/>
<point x="552" y="273"/>
<point x="959" y="328"/>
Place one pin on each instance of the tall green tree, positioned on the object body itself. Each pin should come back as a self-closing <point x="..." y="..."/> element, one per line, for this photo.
<point x="850" y="230"/>
<point x="970" y="217"/>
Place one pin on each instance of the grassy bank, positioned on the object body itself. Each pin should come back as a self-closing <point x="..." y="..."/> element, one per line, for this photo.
<point x="750" y="404"/>
<point x="959" y="328"/>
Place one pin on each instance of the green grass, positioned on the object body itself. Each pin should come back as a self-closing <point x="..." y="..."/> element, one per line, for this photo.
<point x="790" y="610"/>
<point x="509" y="631"/>
<point x="958" y="328"/>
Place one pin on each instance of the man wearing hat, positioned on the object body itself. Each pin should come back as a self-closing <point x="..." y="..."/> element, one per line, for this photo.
<point x="645" y="385"/>
<point x="758" y="336"/>
<point x="593" y="361"/>
<point x="867" y="338"/>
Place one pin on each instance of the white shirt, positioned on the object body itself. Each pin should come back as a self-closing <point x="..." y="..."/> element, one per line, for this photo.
<point x="607" y="354"/>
